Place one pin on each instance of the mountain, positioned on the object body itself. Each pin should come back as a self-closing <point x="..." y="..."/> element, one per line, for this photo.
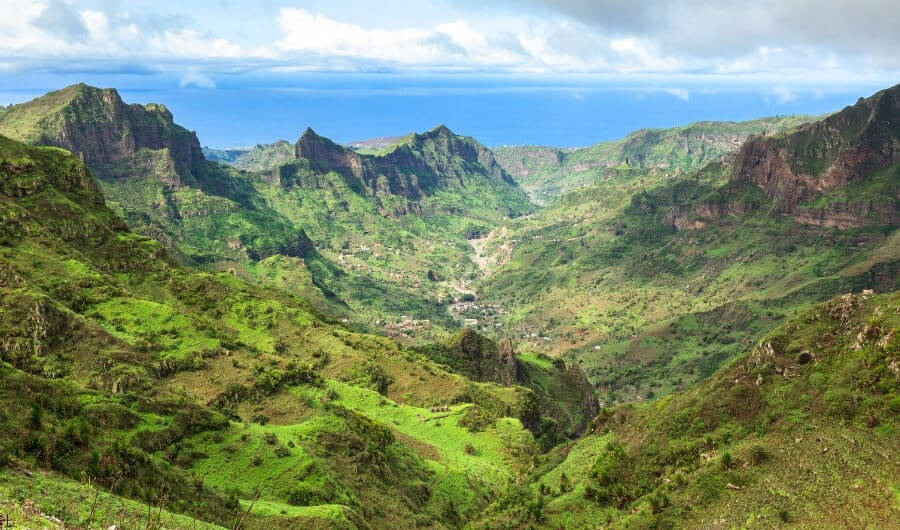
<point x="414" y="167"/>
<point x="652" y="282"/>
<point x="797" y="432"/>
<point x="397" y="222"/>
<point x="548" y="173"/>
<point x="183" y="343"/>
<point x="298" y="226"/>
<point x="135" y="385"/>
<point x="225" y="156"/>
<point x="154" y="174"/>
<point x="261" y="157"/>
<point x="841" y="171"/>
<point x="104" y="131"/>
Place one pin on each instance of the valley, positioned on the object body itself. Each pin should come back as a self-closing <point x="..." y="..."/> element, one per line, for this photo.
<point x="691" y="327"/>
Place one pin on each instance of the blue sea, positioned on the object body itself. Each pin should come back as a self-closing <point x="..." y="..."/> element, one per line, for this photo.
<point x="562" y="111"/>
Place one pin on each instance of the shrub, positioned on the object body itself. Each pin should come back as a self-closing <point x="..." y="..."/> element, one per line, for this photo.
<point x="369" y="375"/>
<point x="726" y="461"/>
<point x="758" y="455"/>
<point x="841" y="403"/>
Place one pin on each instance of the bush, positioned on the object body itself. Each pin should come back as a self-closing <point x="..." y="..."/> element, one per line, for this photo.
<point x="841" y="403"/>
<point x="305" y="494"/>
<point x="758" y="455"/>
<point x="726" y="461"/>
<point x="475" y="419"/>
<point x="369" y="375"/>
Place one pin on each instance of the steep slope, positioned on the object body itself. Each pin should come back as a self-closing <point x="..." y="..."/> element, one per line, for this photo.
<point x="153" y="173"/>
<point x="800" y="431"/>
<point x="374" y="248"/>
<point x="549" y="173"/>
<point x="103" y="130"/>
<point x="397" y="222"/>
<point x="415" y="167"/>
<point x="841" y="171"/>
<point x="562" y="402"/>
<point x="651" y="284"/>
<point x="132" y="381"/>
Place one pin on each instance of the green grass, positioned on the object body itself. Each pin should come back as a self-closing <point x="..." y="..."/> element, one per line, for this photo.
<point x="773" y="438"/>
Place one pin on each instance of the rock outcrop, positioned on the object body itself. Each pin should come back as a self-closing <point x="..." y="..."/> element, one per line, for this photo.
<point x="483" y="359"/>
<point x="564" y="402"/>
<point x="103" y="130"/>
<point x="842" y="171"/>
<point x="415" y="167"/>
<point x="823" y="156"/>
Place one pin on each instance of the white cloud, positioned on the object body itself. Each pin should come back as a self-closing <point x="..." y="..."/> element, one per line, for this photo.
<point x="196" y="79"/>
<point x="680" y="93"/>
<point x="580" y="37"/>
<point x="781" y="95"/>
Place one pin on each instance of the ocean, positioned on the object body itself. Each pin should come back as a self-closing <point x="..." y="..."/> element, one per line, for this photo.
<point x="562" y="111"/>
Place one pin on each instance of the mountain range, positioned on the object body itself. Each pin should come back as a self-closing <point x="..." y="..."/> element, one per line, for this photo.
<point x="690" y="327"/>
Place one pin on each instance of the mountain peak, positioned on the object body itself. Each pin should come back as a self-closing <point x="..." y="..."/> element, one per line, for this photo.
<point x="101" y="128"/>
<point x="442" y="130"/>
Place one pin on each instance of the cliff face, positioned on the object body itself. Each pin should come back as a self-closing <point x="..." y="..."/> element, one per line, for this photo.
<point x="102" y="130"/>
<point x="415" y="167"/>
<point x="482" y="359"/>
<point x="842" y="171"/>
<point x="565" y="401"/>
<point x="823" y="156"/>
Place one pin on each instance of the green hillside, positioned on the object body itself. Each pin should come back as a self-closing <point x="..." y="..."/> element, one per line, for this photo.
<point x="393" y="335"/>
<point x="651" y="284"/>
<point x="137" y="377"/>
<point x="799" y="431"/>
<point x="374" y="248"/>
<point x="548" y="173"/>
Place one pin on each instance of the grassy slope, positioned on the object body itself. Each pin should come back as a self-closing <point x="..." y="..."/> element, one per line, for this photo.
<point x="799" y="431"/>
<point x="646" y="310"/>
<point x="386" y="256"/>
<point x="143" y="377"/>
<point x="373" y="265"/>
<point x="550" y="173"/>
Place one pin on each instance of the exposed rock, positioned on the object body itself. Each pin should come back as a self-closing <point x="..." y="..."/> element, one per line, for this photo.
<point x="415" y="167"/>
<point x="823" y="156"/>
<point x="99" y="127"/>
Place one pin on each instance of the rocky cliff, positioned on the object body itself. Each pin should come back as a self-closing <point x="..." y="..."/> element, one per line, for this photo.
<point x="415" y="167"/>
<point x="564" y="399"/>
<point x="822" y="156"/>
<point x="842" y="171"/>
<point x="103" y="131"/>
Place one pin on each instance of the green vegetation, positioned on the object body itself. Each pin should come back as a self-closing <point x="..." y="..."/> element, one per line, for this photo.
<point x="549" y="173"/>
<point x="795" y="431"/>
<point x="182" y="343"/>
<point x="125" y="371"/>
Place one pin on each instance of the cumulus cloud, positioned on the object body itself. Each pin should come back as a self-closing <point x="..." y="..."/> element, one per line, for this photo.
<point x="730" y="37"/>
<point x="451" y="43"/>
<point x="196" y="79"/>
<point x="734" y="32"/>
<point x="54" y="29"/>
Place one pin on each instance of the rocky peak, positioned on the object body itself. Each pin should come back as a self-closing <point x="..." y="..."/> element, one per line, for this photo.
<point x="98" y="126"/>
<point x="415" y="167"/>
<point x="822" y="156"/>
<point x="483" y="359"/>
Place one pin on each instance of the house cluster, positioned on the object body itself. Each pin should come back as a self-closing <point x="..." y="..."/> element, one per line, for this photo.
<point x="406" y="326"/>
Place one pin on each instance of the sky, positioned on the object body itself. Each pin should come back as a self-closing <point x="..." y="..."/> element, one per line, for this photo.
<point x="794" y="55"/>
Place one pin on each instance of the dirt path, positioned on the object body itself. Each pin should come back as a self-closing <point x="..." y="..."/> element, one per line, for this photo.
<point x="498" y="257"/>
